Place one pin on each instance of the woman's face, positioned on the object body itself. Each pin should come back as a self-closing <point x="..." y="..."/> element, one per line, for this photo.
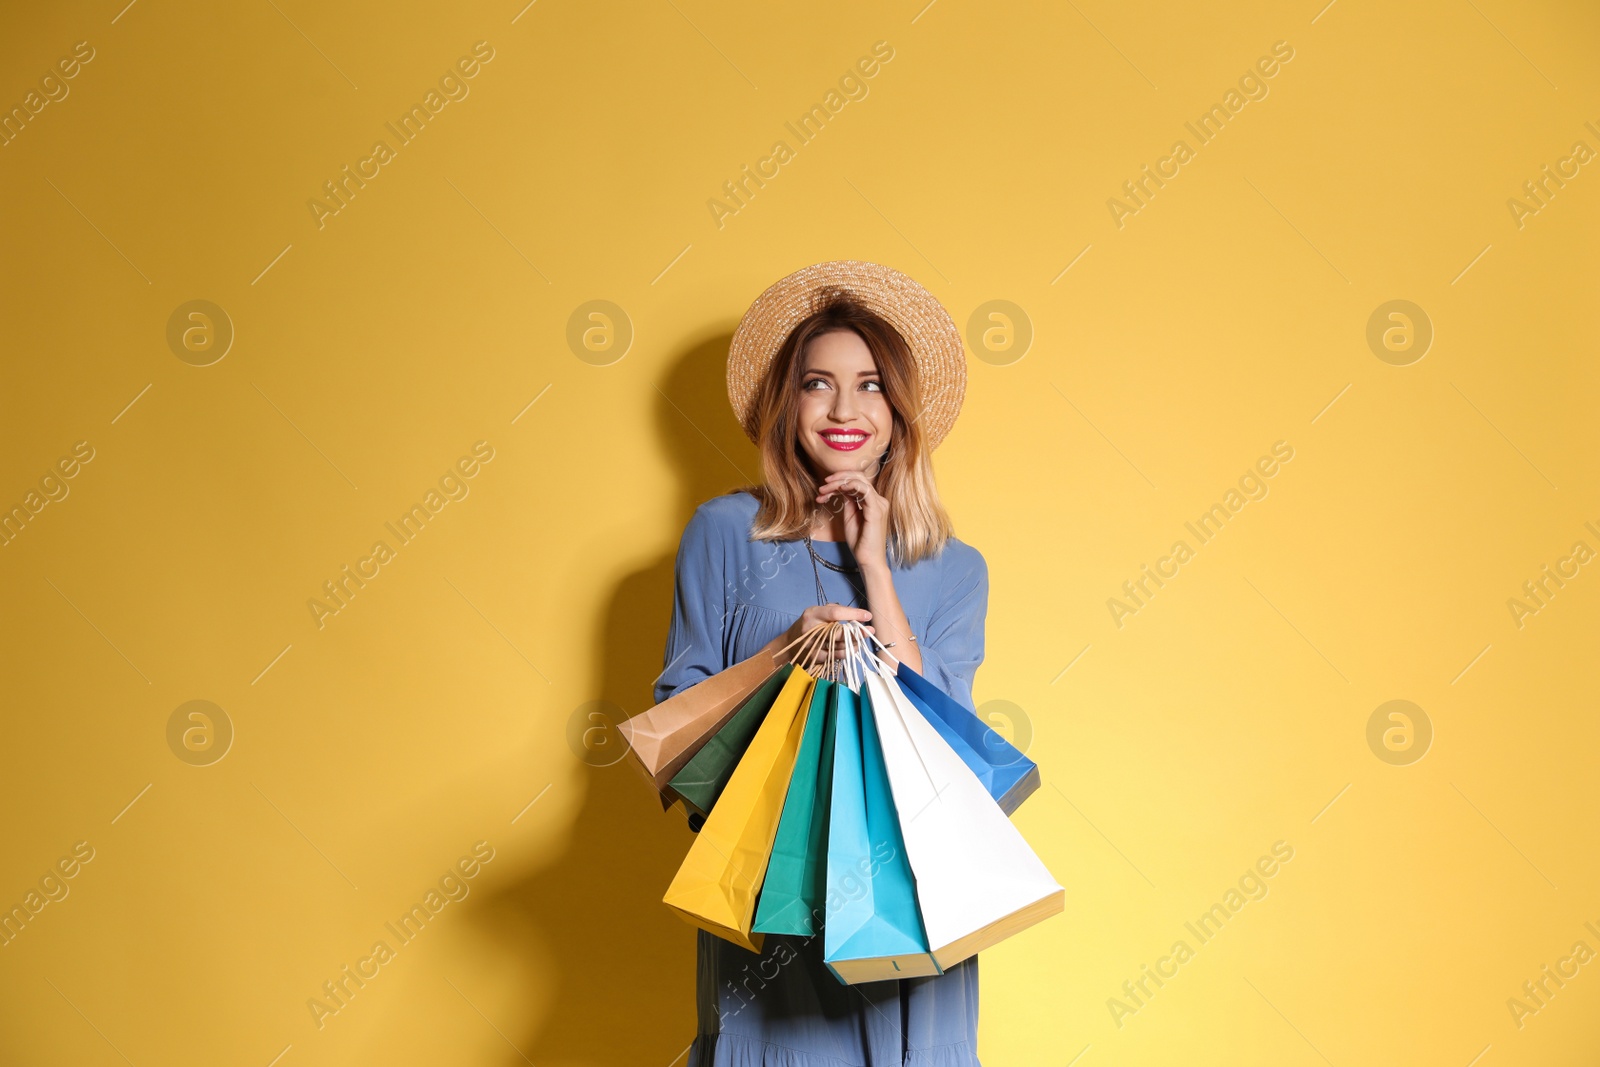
<point x="844" y="416"/>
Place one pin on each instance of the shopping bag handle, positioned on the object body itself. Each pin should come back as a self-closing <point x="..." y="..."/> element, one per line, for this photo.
<point x="874" y="639"/>
<point x="862" y="636"/>
<point x="807" y="642"/>
<point x="858" y="657"/>
<point x="852" y="651"/>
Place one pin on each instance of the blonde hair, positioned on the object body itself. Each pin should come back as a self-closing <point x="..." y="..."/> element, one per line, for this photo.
<point x="919" y="526"/>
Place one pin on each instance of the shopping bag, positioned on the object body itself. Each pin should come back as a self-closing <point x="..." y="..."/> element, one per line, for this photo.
<point x="716" y="886"/>
<point x="664" y="738"/>
<point x="1008" y="775"/>
<point x="871" y="929"/>
<point x="977" y="880"/>
<point x="792" y="895"/>
<point x="703" y="778"/>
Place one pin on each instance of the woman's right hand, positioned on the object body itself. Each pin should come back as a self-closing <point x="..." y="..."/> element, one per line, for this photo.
<point x="815" y="616"/>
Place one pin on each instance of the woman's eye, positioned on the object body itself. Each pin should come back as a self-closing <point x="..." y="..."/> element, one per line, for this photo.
<point x="875" y="385"/>
<point x="815" y="381"/>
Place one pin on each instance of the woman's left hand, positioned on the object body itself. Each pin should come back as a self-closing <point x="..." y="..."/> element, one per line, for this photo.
<point x="866" y="515"/>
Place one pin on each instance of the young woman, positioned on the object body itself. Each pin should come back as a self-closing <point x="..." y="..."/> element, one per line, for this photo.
<point x="846" y="375"/>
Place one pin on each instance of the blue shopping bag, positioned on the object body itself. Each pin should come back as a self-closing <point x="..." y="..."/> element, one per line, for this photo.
<point x="872" y="929"/>
<point x="1009" y="775"/>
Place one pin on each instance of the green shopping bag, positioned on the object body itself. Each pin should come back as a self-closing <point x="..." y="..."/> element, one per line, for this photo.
<point x="703" y="778"/>
<point x="796" y="885"/>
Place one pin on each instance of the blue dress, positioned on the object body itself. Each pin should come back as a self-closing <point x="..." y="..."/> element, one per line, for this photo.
<point x="782" y="1007"/>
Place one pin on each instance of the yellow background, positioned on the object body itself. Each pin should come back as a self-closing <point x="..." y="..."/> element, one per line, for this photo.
<point x="1228" y="314"/>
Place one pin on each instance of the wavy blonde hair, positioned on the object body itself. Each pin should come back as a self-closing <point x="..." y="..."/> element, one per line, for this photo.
<point x="919" y="526"/>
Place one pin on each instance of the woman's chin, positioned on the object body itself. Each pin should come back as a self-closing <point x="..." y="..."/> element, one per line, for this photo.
<point x="828" y="461"/>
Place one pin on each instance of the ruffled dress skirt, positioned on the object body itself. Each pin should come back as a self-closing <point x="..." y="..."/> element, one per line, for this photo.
<point x="782" y="1007"/>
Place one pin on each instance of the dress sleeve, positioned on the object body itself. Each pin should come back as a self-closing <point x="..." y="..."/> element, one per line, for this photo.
<point x="699" y="606"/>
<point x="952" y="648"/>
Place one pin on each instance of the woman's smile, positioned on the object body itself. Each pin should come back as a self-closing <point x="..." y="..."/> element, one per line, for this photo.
<point x="845" y="440"/>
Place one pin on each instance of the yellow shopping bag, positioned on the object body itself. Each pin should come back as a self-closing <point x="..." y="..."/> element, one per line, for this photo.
<point x="717" y="885"/>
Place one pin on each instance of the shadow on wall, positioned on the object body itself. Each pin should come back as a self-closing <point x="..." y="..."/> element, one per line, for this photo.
<point x="621" y="966"/>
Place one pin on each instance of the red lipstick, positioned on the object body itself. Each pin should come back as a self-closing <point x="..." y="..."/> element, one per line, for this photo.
<point x="845" y="440"/>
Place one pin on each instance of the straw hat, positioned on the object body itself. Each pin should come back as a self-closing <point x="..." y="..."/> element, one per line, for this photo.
<point x="924" y="323"/>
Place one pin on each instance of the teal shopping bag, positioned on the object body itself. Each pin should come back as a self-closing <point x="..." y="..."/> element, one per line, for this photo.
<point x="797" y="874"/>
<point x="703" y="778"/>
<point x="1005" y="772"/>
<point x="872" y="929"/>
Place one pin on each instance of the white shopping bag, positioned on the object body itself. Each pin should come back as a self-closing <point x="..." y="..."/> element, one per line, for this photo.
<point x="978" y="881"/>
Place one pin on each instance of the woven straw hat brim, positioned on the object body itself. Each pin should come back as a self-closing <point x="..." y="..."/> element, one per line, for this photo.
<point x="924" y="323"/>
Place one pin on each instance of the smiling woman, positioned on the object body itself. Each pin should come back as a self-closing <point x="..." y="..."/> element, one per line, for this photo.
<point x="846" y="374"/>
<point x="841" y="395"/>
<point x="840" y="377"/>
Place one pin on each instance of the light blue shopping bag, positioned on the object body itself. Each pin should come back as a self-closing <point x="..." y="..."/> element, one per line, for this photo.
<point x="872" y="929"/>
